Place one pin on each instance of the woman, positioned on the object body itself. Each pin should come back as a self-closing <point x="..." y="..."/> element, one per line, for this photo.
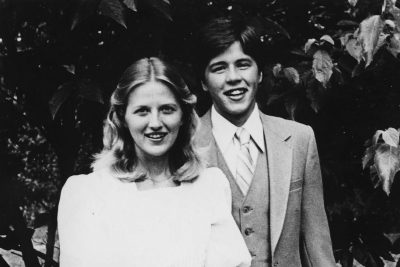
<point x="149" y="202"/>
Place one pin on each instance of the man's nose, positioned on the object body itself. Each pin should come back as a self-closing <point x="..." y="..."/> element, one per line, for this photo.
<point x="232" y="74"/>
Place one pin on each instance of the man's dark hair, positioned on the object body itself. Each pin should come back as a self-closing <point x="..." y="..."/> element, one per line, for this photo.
<point x="220" y="33"/>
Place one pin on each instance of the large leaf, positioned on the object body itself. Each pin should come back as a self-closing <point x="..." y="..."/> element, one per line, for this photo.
<point x="390" y="136"/>
<point x="113" y="9"/>
<point x="83" y="10"/>
<point x="90" y="91"/>
<point x="131" y="4"/>
<point x="383" y="157"/>
<point x="371" y="37"/>
<point x="163" y="6"/>
<point x="387" y="164"/>
<point x="322" y="67"/>
<point x="353" y="46"/>
<point x="63" y="92"/>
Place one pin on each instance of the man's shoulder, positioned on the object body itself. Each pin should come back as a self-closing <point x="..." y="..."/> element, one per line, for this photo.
<point x="286" y="128"/>
<point x="278" y="122"/>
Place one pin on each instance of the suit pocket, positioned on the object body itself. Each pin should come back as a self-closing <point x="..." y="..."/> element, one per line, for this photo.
<point x="296" y="185"/>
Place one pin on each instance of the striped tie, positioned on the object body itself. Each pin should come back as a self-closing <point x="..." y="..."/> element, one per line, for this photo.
<point x="244" y="167"/>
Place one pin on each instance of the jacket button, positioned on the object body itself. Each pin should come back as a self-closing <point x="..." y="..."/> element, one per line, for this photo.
<point x="246" y="209"/>
<point x="248" y="231"/>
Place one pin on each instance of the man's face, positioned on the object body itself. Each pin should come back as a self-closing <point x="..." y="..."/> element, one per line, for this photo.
<point x="232" y="79"/>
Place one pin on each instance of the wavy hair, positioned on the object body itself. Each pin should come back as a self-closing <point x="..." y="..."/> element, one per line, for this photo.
<point x="119" y="154"/>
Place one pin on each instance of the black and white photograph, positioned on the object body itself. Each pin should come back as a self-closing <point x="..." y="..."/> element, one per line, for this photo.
<point x="199" y="133"/>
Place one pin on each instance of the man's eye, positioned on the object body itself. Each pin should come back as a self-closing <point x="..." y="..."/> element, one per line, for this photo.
<point x="217" y="69"/>
<point x="244" y="65"/>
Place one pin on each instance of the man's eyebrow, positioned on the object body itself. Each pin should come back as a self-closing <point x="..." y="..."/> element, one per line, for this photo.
<point x="220" y="62"/>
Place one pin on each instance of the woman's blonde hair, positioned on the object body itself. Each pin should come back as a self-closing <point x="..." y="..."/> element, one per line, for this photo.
<point x="119" y="154"/>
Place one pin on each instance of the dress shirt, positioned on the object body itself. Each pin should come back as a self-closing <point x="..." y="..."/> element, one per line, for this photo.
<point x="224" y="134"/>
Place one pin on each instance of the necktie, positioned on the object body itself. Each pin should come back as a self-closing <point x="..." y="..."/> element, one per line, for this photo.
<point x="245" y="167"/>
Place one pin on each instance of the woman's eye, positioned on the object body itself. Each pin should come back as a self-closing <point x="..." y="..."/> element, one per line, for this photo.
<point x="168" y="109"/>
<point x="141" y="111"/>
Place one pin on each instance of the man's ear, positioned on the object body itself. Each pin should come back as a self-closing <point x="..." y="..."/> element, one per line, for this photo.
<point x="204" y="86"/>
<point x="260" y="77"/>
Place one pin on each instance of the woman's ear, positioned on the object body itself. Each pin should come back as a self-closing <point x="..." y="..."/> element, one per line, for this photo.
<point x="260" y="77"/>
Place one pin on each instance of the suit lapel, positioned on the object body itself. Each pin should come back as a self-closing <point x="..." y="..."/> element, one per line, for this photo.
<point x="280" y="167"/>
<point x="211" y="153"/>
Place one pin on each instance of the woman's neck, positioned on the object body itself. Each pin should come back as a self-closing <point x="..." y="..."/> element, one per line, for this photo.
<point x="156" y="167"/>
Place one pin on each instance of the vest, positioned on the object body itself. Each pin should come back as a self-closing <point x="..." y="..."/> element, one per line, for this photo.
<point x="251" y="212"/>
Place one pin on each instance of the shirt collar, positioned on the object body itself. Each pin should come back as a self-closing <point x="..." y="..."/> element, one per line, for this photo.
<point x="224" y="130"/>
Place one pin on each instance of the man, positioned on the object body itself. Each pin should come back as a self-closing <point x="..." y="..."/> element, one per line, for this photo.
<point x="272" y="164"/>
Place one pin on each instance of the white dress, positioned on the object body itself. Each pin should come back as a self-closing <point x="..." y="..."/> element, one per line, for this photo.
<point x="105" y="222"/>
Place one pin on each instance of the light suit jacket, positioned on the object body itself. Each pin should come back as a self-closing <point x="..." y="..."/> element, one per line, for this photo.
<point x="298" y="225"/>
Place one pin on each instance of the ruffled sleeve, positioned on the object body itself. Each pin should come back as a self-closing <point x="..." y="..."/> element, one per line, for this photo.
<point x="75" y="227"/>
<point x="226" y="245"/>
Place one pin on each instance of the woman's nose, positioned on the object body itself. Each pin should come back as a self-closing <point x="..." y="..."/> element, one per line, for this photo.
<point x="155" y="122"/>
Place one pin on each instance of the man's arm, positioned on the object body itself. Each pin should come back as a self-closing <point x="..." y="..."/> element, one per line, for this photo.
<point x="316" y="247"/>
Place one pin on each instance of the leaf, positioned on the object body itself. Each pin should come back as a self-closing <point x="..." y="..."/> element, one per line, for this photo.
<point x="161" y="5"/>
<point x="292" y="75"/>
<point x="90" y="91"/>
<point x="277" y="69"/>
<point x="70" y="68"/>
<point x="354" y="48"/>
<point x="389" y="6"/>
<point x="387" y="164"/>
<point x="308" y="44"/>
<point x="385" y="151"/>
<point x="396" y="247"/>
<point x="353" y="3"/>
<point x="63" y="92"/>
<point x="390" y="136"/>
<point x="328" y="39"/>
<point x="322" y="67"/>
<point x="368" y="156"/>
<point x="363" y="256"/>
<point x="131" y="4"/>
<point x="84" y="9"/>
<point x="113" y="9"/>
<point x="273" y="25"/>
<point x="369" y="36"/>
<point x="346" y="22"/>
<point x="394" y="45"/>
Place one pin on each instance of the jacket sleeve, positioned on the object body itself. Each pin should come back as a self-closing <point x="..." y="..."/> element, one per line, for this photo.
<point x="316" y="247"/>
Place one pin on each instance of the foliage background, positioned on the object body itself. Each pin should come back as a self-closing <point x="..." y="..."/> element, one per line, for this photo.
<point x="60" y="60"/>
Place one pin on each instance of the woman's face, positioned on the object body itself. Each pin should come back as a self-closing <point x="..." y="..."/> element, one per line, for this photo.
<point x="153" y="117"/>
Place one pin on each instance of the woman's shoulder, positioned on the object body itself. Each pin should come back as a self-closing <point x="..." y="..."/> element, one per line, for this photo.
<point x="213" y="177"/>
<point x="85" y="182"/>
